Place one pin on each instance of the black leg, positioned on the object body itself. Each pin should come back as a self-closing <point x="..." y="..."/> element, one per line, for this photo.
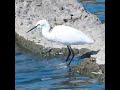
<point x="68" y="53"/>
<point x="72" y="56"/>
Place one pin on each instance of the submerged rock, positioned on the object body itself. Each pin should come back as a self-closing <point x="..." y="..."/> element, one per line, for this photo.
<point x="89" y="67"/>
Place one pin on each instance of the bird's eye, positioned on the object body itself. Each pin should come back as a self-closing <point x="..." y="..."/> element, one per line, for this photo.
<point x="38" y="24"/>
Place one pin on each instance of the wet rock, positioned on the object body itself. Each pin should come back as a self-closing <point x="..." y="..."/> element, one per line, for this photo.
<point x="90" y="68"/>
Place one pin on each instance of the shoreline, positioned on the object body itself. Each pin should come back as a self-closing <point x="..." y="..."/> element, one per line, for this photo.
<point x="70" y="13"/>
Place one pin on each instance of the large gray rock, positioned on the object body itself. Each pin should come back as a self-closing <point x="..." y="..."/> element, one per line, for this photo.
<point x="57" y="12"/>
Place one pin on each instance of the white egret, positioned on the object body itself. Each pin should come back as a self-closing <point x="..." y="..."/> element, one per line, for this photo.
<point x="63" y="34"/>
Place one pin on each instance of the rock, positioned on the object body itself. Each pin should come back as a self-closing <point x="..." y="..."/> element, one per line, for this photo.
<point x="90" y="68"/>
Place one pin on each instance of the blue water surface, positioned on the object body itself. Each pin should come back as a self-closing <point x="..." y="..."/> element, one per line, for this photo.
<point x="96" y="7"/>
<point x="35" y="73"/>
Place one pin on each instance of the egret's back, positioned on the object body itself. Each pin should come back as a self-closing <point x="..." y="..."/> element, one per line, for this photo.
<point x="69" y="36"/>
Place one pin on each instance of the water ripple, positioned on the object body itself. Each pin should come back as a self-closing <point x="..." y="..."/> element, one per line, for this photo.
<point x="38" y="73"/>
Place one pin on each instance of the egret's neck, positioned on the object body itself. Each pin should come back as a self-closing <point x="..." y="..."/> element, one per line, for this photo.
<point x="45" y="30"/>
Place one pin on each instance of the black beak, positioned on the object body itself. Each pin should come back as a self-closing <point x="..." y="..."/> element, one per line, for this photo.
<point x="31" y="29"/>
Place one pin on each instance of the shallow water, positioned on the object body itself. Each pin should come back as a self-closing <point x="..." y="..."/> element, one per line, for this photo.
<point x="35" y="73"/>
<point x="96" y="7"/>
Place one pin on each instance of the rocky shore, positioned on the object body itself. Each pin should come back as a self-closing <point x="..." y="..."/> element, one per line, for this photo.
<point x="61" y="12"/>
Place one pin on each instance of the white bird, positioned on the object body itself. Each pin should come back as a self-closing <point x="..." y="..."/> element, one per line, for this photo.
<point x="63" y="34"/>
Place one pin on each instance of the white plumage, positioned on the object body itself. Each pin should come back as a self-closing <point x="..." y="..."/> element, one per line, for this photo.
<point x="69" y="36"/>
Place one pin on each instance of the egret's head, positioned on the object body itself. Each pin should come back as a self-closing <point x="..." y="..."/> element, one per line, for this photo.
<point x="39" y="24"/>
